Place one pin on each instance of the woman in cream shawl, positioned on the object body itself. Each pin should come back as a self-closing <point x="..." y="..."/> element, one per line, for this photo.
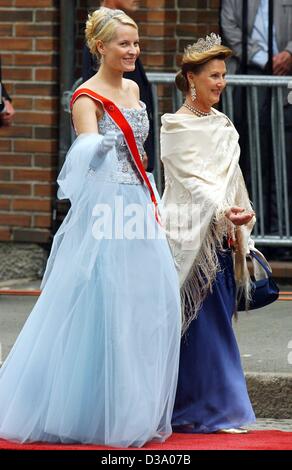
<point x="208" y="219"/>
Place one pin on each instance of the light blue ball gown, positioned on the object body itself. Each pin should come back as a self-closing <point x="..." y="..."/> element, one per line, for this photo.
<point x="97" y="359"/>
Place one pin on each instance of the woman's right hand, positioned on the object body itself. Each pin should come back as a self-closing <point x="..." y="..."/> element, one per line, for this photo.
<point x="107" y="142"/>
<point x="238" y="215"/>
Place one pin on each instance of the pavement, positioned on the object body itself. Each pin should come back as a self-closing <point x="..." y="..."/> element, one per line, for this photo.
<point x="265" y="342"/>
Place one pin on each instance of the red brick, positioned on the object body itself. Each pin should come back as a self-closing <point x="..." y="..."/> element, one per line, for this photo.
<point x="158" y="45"/>
<point x="162" y="16"/>
<point x="15" y="160"/>
<point x="5" y="175"/>
<point x="34" y="3"/>
<point x="35" y="59"/>
<point x="32" y="236"/>
<point x="44" y="190"/>
<point x="191" y="30"/>
<point x="14" y="188"/>
<point x="18" y="74"/>
<point x="199" y="16"/>
<point x="46" y="104"/>
<point x="22" y="103"/>
<point x="156" y="4"/>
<point x="15" y="220"/>
<point x="17" y="131"/>
<point x="35" y="146"/>
<point x="158" y="59"/>
<point x="46" y="75"/>
<point x="193" y="4"/>
<point x="215" y="4"/>
<point x="46" y="132"/>
<point x="36" y="205"/>
<point x="47" y="44"/>
<point x="5" y="145"/>
<point x="13" y="44"/>
<point x="4" y="204"/>
<point x="34" y="175"/>
<point x="43" y="221"/>
<point x="47" y="119"/>
<point x="7" y="59"/>
<point x="5" y="234"/>
<point x="152" y="30"/>
<point x="48" y="161"/>
<point x="15" y="16"/>
<point x="47" y="16"/>
<point x="5" y="29"/>
<point x="213" y="28"/>
<point x="36" y="30"/>
<point x="34" y="89"/>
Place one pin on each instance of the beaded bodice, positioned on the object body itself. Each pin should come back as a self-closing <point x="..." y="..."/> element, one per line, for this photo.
<point x="138" y="119"/>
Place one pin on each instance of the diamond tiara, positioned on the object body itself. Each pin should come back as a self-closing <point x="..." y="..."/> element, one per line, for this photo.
<point x="203" y="45"/>
<point x="109" y="15"/>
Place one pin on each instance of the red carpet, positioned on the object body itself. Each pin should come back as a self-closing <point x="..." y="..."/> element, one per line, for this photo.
<point x="254" y="440"/>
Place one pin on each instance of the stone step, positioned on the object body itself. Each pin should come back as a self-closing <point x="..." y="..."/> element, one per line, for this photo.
<point x="270" y="394"/>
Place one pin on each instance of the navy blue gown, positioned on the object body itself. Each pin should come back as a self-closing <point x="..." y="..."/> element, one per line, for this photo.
<point x="212" y="393"/>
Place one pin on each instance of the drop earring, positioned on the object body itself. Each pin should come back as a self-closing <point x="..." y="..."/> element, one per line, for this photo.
<point x="193" y="92"/>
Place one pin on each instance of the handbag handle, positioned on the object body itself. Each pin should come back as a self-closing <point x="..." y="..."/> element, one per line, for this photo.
<point x="261" y="262"/>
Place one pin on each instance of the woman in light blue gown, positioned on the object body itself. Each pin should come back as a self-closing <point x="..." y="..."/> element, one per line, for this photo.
<point x="97" y="359"/>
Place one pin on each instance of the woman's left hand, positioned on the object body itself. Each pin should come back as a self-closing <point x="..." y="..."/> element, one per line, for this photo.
<point x="238" y="215"/>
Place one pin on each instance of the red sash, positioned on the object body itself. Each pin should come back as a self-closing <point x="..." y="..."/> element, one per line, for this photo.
<point x="119" y="119"/>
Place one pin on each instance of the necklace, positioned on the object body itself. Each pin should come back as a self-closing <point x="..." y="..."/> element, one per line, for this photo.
<point x="196" y="111"/>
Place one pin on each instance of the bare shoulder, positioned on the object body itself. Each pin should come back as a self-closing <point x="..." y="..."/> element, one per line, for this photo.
<point x="85" y="115"/>
<point x="85" y="104"/>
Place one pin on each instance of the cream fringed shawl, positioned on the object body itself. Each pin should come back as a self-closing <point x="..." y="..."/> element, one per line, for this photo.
<point x="202" y="180"/>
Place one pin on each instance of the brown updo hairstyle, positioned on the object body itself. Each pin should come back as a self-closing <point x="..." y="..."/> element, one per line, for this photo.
<point x="102" y="24"/>
<point x="193" y="61"/>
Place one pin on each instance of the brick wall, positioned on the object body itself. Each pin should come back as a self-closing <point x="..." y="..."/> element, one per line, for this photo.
<point x="29" y="50"/>
<point x="28" y="150"/>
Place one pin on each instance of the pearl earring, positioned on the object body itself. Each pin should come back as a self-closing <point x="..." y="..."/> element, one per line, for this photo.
<point x="193" y="92"/>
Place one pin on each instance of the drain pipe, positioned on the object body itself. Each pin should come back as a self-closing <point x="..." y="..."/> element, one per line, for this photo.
<point x="67" y="70"/>
<point x="66" y="80"/>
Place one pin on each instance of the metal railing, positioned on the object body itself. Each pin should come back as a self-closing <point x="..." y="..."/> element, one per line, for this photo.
<point x="279" y="89"/>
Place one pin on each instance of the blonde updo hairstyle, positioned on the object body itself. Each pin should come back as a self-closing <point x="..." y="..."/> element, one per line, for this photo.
<point x="193" y="61"/>
<point x="102" y="24"/>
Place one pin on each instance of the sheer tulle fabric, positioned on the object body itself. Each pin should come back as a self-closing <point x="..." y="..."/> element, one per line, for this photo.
<point x="97" y="359"/>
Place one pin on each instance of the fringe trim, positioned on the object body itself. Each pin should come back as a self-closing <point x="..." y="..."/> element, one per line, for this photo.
<point x="206" y="265"/>
<point x="203" y="273"/>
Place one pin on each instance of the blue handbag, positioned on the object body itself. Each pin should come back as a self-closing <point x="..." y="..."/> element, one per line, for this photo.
<point x="263" y="291"/>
